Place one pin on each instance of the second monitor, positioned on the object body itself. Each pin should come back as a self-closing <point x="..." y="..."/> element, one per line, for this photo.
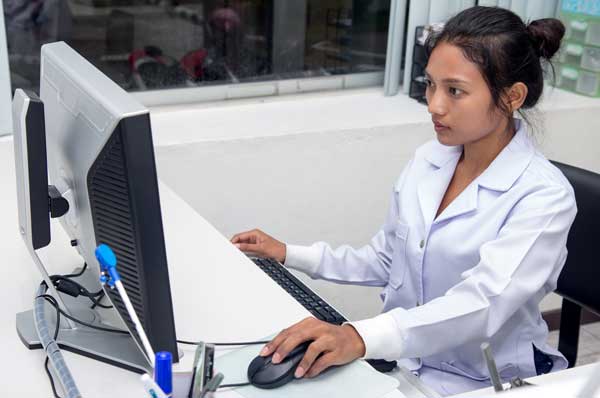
<point x="101" y="159"/>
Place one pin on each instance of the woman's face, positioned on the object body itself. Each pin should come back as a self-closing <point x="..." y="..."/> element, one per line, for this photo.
<point x="459" y="99"/>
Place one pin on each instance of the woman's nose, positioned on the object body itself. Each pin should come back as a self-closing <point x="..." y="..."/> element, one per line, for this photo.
<point x="436" y="104"/>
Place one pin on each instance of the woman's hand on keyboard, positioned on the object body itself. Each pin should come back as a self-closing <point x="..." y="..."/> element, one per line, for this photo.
<point x="257" y="243"/>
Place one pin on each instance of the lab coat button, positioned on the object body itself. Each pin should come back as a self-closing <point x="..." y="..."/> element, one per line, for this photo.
<point x="422" y="243"/>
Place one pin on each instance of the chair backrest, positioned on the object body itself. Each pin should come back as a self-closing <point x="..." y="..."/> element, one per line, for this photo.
<point x="579" y="280"/>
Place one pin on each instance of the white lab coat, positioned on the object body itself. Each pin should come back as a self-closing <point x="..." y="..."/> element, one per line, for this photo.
<point x="475" y="273"/>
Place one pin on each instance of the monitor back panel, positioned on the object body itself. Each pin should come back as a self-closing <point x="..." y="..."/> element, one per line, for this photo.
<point x="98" y="137"/>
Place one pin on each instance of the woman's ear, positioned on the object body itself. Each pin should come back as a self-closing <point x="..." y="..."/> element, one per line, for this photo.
<point x="515" y="96"/>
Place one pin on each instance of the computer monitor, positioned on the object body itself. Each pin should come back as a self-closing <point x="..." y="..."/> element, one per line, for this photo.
<point x="101" y="159"/>
<point x="31" y="170"/>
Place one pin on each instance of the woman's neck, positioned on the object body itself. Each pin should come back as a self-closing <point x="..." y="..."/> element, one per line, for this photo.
<point x="478" y="155"/>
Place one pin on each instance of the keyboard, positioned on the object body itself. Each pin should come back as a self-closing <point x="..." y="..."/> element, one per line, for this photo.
<point x="311" y="301"/>
<point x="298" y="290"/>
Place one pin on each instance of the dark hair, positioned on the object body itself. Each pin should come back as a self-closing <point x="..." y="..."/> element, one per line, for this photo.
<point x="503" y="47"/>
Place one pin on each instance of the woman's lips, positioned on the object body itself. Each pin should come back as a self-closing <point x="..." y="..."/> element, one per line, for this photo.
<point x="439" y="127"/>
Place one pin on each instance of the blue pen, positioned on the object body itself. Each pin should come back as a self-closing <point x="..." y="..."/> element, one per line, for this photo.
<point x="163" y="373"/>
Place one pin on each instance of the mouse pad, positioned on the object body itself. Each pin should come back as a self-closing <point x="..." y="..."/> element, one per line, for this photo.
<point x="356" y="379"/>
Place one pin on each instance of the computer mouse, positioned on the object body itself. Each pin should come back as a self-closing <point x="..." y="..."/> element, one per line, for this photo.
<point x="263" y="373"/>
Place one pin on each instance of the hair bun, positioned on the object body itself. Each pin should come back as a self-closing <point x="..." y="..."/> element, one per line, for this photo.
<point x="546" y="35"/>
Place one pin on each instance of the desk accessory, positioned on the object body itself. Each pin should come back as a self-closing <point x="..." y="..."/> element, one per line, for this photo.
<point x="151" y="387"/>
<point x="163" y="372"/>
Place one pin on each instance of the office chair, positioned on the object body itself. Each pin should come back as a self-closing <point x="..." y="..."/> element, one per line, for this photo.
<point x="579" y="280"/>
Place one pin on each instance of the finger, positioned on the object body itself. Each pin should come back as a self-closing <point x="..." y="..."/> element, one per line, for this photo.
<point x="248" y="247"/>
<point x="305" y="330"/>
<point x="236" y="238"/>
<point x="245" y="237"/>
<point x="276" y="342"/>
<point x="325" y="361"/>
<point x="270" y="347"/>
<point x="294" y="335"/>
<point x="314" y="350"/>
<point x="291" y="342"/>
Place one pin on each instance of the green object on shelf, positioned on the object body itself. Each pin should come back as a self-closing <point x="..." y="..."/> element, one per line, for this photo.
<point x="578" y="62"/>
<point x="582" y="21"/>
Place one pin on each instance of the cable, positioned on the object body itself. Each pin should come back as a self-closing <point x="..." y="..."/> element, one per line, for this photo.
<point x="74" y="288"/>
<point x="234" y="385"/>
<point x="51" y="348"/>
<point x="50" y="378"/>
<point x="225" y="344"/>
<point x="56" y="330"/>
<point x="57" y="327"/>
<point x="65" y="284"/>
<point x="53" y="302"/>
<point x="50" y="345"/>
<point x="102" y="295"/>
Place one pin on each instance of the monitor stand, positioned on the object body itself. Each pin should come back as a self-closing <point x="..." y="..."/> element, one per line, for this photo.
<point x="114" y="348"/>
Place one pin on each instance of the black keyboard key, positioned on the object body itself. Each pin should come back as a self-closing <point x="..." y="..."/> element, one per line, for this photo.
<point x="324" y="315"/>
<point x="338" y="320"/>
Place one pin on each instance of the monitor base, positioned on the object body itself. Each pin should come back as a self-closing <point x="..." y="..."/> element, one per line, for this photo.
<point x="116" y="349"/>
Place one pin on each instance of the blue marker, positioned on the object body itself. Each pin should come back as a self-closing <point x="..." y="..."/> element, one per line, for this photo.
<point x="163" y="374"/>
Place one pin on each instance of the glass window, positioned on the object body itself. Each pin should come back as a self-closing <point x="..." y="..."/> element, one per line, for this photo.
<point x="157" y="44"/>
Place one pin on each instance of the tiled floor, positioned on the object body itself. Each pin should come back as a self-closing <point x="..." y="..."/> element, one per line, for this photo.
<point x="589" y="343"/>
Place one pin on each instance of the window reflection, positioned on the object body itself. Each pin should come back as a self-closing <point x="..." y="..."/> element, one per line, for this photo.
<point x="154" y="44"/>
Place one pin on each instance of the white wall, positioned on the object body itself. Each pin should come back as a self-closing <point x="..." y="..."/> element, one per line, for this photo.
<point x="321" y="167"/>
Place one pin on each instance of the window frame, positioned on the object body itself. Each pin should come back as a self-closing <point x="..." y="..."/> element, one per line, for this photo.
<point x="222" y="92"/>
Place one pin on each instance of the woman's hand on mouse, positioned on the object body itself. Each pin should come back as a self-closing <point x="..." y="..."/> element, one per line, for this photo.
<point x="257" y="243"/>
<point x="337" y="344"/>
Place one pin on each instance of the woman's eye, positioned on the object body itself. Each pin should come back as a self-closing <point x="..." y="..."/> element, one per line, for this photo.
<point x="455" y="91"/>
<point x="428" y="82"/>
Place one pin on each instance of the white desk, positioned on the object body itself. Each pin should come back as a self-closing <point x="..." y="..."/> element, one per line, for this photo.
<point x="214" y="300"/>
<point x="566" y="383"/>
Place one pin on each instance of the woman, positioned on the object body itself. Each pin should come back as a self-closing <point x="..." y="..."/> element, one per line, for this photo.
<point x="477" y="229"/>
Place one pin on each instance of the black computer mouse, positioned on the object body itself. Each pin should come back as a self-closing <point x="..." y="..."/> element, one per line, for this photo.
<point x="262" y="373"/>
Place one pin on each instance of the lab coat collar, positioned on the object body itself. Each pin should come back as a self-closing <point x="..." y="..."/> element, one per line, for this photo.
<point x="438" y="154"/>
<point x="510" y="163"/>
<point x="502" y="173"/>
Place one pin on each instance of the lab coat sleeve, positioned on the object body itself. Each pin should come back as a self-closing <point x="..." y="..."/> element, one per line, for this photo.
<point x="527" y="255"/>
<point x="369" y="265"/>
